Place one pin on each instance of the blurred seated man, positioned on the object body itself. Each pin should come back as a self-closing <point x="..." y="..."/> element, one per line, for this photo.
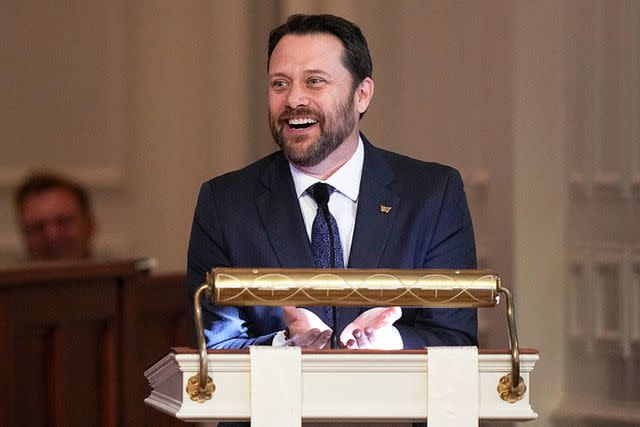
<point x="55" y="216"/>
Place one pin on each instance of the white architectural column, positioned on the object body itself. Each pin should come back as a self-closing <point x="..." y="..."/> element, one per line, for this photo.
<point x="540" y="196"/>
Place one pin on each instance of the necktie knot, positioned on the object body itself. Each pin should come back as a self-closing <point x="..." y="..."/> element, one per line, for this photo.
<point x="325" y="236"/>
<point x="321" y="193"/>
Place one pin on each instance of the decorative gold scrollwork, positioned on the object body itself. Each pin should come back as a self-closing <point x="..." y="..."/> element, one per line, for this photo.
<point x="507" y="392"/>
<point x="196" y="393"/>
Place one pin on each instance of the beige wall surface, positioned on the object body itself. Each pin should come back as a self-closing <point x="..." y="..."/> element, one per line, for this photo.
<point x="536" y="103"/>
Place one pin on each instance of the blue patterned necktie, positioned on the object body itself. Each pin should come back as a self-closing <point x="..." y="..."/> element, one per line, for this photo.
<point x="325" y="242"/>
<point x="325" y="237"/>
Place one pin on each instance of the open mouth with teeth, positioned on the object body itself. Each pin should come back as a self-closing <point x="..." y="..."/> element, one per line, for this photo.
<point x="301" y="123"/>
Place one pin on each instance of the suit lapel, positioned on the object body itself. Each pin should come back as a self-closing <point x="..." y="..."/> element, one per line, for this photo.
<point x="280" y="214"/>
<point x="377" y="210"/>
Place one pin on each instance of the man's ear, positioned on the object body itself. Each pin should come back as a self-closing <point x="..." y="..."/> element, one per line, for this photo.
<point x="363" y="94"/>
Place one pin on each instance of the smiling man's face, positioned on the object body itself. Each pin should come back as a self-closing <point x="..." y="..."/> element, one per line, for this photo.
<point x="311" y="98"/>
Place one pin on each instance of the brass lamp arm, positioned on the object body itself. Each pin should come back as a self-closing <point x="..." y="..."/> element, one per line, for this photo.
<point x="511" y="387"/>
<point x="201" y="387"/>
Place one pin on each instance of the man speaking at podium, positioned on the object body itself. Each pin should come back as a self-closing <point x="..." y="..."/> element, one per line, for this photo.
<point x="329" y="198"/>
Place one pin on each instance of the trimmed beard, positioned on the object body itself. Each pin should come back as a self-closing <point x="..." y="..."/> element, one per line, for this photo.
<point x="333" y="132"/>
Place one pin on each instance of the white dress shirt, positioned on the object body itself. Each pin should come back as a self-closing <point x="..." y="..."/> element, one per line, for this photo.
<point x="343" y="203"/>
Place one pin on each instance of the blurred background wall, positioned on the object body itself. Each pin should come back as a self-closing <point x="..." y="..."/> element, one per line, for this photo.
<point x="536" y="103"/>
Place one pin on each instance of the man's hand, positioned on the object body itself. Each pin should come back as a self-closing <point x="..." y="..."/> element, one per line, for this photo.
<point x="305" y="328"/>
<point x="374" y="329"/>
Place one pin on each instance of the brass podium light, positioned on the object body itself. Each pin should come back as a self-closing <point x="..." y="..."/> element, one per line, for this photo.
<point x="356" y="288"/>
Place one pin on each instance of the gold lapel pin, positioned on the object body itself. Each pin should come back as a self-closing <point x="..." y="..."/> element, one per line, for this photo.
<point x="385" y="209"/>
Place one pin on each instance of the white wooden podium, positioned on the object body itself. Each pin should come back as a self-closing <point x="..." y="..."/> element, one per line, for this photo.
<point x="335" y="385"/>
<point x="281" y="387"/>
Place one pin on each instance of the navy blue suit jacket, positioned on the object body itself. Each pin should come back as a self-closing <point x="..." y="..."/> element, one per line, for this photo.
<point x="251" y="218"/>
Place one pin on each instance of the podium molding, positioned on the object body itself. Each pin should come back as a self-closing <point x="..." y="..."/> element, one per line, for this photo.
<point x="337" y="385"/>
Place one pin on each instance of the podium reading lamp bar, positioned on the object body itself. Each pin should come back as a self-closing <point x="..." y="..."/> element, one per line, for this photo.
<point x="355" y="288"/>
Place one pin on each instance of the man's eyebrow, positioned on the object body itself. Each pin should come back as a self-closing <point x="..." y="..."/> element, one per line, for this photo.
<point x="310" y="72"/>
<point x="272" y="75"/>
<point x="316" y="71"/>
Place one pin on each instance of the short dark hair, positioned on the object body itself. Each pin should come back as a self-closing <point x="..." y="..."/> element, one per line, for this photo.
<point x="356" y="57"/>
<point x="42" y="181"/>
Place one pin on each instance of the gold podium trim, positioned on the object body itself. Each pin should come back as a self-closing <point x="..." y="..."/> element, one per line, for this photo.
<point x="355" y="287"/>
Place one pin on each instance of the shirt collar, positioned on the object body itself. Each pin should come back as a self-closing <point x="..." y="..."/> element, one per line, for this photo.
<point x="346" y="180"/>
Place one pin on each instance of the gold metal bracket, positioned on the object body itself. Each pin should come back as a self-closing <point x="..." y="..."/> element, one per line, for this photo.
<point x="198" y="394"/>
<point x="510" y="393"/>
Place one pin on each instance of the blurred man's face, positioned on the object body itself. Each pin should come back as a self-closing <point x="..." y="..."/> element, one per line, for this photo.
<point x="55" y="226"/>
